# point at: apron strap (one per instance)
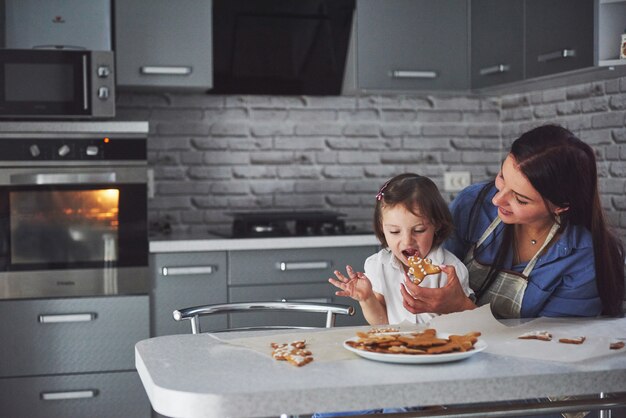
(488, 231)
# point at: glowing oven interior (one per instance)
(61, 226)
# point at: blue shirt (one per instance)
(562, 282)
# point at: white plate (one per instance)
(417, 358)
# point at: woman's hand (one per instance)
(447, 299)
(356, 286)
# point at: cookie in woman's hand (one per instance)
(421, 267)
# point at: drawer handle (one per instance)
(170, 271)
(496, 69)
(75, 394)
(556, 55)
(162, 70)
(303, 265)
(81, 317)
(412, 74)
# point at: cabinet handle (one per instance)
(57, 318)
(169, 271)
(75, 394)
(496, 69)
(413, 74)
(158, 70)
(556, 55)
(303, 265)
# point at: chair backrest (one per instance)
(194, 313)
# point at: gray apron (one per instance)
(506, 292)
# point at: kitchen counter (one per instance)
(207, 242)
(204, 376)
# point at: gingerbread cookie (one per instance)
(421, 267)
(616, 345)
(294, 353)
(415, 343)
(536, 335)
(573, 340)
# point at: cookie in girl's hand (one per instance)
(421, 267)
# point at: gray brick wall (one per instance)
(214, 154)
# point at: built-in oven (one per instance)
(73, 209)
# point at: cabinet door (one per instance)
(182, 280)
(73, 335)
(111, 395)
(293, 266)
(497, 42)
(163, 43)
(559, 36)
(412, 44)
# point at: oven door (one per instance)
(73, 234)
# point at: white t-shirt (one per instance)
(387, 275)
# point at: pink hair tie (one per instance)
(380, 193)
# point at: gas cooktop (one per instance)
(288, 223)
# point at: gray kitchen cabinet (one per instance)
(412, 45)
(187, 279)
(497, 42)
(72, 357)
(296, 275)
(111, 395)
(164, 44)
(559, 36)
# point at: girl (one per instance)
(411, 218)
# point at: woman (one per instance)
(535, 240)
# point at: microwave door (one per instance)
(44, 83)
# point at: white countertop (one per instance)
(187, 243)
(200, 376)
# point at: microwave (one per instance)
(56, 84)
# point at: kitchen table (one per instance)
(205, 376)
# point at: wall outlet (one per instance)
(454, 181)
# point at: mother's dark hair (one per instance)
(562, 168)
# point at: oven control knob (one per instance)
(104, 71)
(92, 150)
(34, 151)
(63, 150)
(103, 93)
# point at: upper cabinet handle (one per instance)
(557, 55)
(172, 271)
(303, 265)
(496, 69)
(412, 74)
(163, 70)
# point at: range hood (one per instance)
(281, 47)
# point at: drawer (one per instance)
(308, 292)
(182, 280)
(75, 335)
(293, 266)
(108, 395)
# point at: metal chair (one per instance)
(194, 313)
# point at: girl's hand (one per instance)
(447, 299)
(356, 286)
